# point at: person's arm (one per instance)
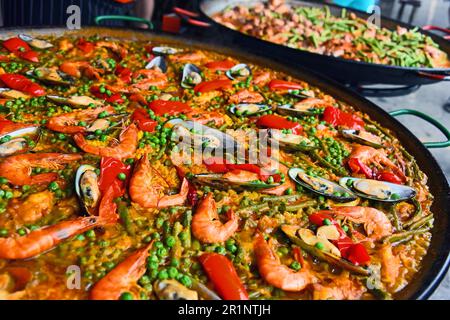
(144, 9)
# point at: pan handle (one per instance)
(434, 76)
(444, 30)
(189, 16)
(99, 19)
(429, 119)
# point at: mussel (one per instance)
(248, 109)
(75, 101)
(239, 72)
(86, 188)
(157, 62)
(292, 232)
(35, 43)
(378, 190)
(19, 141)
(321, 186)
(164, 50)
(296, 110)
(290, 141)
(363, 137)
(173, 290)
(51, 76)
(12, 94)
(194, 133)
(191, 76)
(224, 182)
(302, 93)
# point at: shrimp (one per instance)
(121, 278)
(340, 288)
(128, 141)
(149, 78)
(188, 57)
(78, 68)
(68, 122)
(390, 265)
(35, 206)
(7, 126)
(246, 96)
(262, 78)
(368, 155)
(17, 168)
(376, 224)
(206, 225)
(277, 274)
(114, 47)
(145, 192)
(44, 239)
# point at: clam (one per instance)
(248, 109)
(51, 76)
(296, 110)
(86, 187)
(164, 50)
(34, 42)
(294, 234)
(291, 141)
(363, 137)
(239, 72)
(191, 76)
(19, 141)
(321, 186)
(12, 94)
(75, 101)
(194, 133)
(157, 63)
(378, 190)
(224, 181)
(173, 290)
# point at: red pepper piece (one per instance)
(337, 117)
(222, 65)
(16, 45)
(161, 107)
(143, 121)
(357, 254)
(284, 85)
(223, 275)
(22, 83)
(123, 73)
(109, 171)
(389, 177)
(212, 85)
(85, 46)
(358, 167)
(277, 122)
(30, 56)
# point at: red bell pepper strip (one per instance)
(16, 45)
(275, 85)
(223, 275)
(390, 177)
(143, 121)
(277, 122)
(123, 73)
(110, 168)
(30, 56)
(113, 98)
(161, 107)
(192, 196)
(85, 46)
(222, 65)
(357, 254)
(107, 210)
(358, 167)
(22, 83)
(337, 117)
(212, 85)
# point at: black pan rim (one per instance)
(439, 267)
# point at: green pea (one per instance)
(144, 280)
(186, 281)
(3, 180)
(170, 241)
(126, 296)
(175, 262)
(320, 246)
(122, 176)
(221, 250)
(172, 272)
(162, 252)
(53, 186)
(22, 232)
(345, 228)
(327, 222)
(3, 232)
(9, 195)
(163, 274)
(296, 265)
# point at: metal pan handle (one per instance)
(99, 19)
(189, 16)
(430, 120)
(435, 76)
(444, 30)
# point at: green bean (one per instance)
(419, 223)
(394, 238)
(125, 217)
(337, 170)
(397, 223)
(288, 198)
(187, 219)
(259, 208)
(302, 205)
(417, 215)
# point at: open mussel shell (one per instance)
(191, 76)
(239, 72)
(248, 109)
(292, 233)
(19, 141)
(173, 290)
(86, 188)
(219, 181)
(290, 141)
(35, 43)
(51, 76)
(157, 62)
(165, 50)
(362, 137)
(296, 110)
(12, 94)
(378, 190)
(75, 101)
(301, 93)
(194, 133)
(321, 186)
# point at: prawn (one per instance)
(206, 225)
(146, 193)
(340, 288)
(119, 279)
(35, 206)
(147, 78)
(246, 96)
(128, 140)
(277, 274)
(188, 57)
(78, 68)
(17, 168)
(44, 239)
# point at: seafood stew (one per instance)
(338, 209)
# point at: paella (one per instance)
(142, 170)
(347, 36)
